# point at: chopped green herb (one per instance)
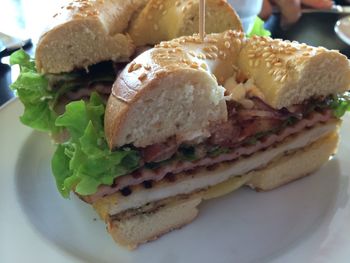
(187, 153)
(216, 151)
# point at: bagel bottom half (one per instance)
(144, 224)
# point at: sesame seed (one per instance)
(206, 49)
(204, 66)
(184, 60)
(136, 67)
(251, 55)
(155, 27)
(278, 64)
(251, 62)
(227, 34)
(209, 56)
(142, 76)
(278, 77)
(238, 41)
(214, 48)
(214, 55)
(131, 67)
(256, 63)
(283, 79)
(227, 44)
(268, 65)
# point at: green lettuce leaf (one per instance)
(85, 161)
(258, 29)
(40, 93)
(340, 104)
(33, 91)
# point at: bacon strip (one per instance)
(181, 166)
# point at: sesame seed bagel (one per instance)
(176, 88)
(289, 72)
(172, 90)
(86, 32)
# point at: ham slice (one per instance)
(181, 166)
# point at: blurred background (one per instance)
(27, 19)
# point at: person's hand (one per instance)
(291, 9)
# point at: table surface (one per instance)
(18, 17)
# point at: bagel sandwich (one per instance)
(88, 42)
(188, 121)
(185, 121)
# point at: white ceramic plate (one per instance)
(306, 221)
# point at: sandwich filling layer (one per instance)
(204, 177)
(246, 132)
